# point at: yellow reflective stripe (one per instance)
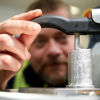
(19, 80)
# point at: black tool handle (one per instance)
(69, 26)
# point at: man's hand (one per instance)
(14, 51)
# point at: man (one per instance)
(49, 52)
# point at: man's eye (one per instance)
(39, 43)
(62, 39)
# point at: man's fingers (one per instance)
(10, 63)
(29, 29)
(28, 15)
(19, 26)
(12, 46)
(27, 39)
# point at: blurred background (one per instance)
(9, 8)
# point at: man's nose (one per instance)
(54, 49)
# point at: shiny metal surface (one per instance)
(80, 69)
(59, 94)
(25, 96)
(62, 91)
(96, 15)
(77, 41)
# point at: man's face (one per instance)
(49, 53)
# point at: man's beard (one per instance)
(46, 77)
(54, 81)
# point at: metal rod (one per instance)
(77, 41)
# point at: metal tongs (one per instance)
(71, 26)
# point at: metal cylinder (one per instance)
(80, 69)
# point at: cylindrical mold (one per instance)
(80, 69)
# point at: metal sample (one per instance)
(80, 67)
